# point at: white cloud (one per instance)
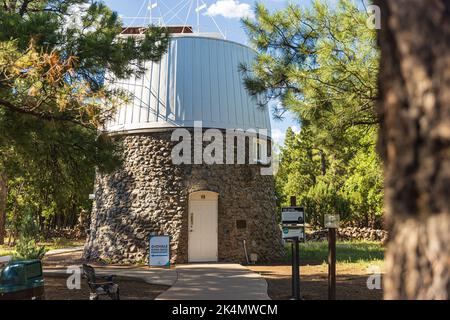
(232, 9)
(75, 15)
(278, 136)
(296, 129)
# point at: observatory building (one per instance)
(211, 211)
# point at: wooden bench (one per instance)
(100, 286)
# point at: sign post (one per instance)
(159, 255)
(332, 223)
(293, 219)
(296, 272)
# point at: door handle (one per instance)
(192, 222)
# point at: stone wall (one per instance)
(149, 194)
(350, 233)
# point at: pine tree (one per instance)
(55, 56)
(321, 65)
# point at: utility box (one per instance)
(21, 280)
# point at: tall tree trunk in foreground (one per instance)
(414, 142)
(3, 199)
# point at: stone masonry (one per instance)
(149, 195)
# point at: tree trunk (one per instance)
(323, 163)
(414, 142)
(366, 219)
(3, 199)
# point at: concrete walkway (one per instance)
(216, 282)
(64, 250)
(159, 276)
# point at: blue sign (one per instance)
(159, 251)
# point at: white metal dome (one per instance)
(196, 80)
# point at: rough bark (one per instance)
(3, 198)
(414, 142)
(323, 163)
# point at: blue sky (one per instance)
(226, 14)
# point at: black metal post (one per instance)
(331, 263)
(293, 201)
(295, 262)
(293, 270)
(296, 269)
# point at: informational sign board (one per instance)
(292, 215)
(159, 251)
(290, 233)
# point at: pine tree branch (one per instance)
(42, 115)
(24, 7)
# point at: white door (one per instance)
(203, 226)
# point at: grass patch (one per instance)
(53, 244)
(61, 243)
(6, 251)
(360, 252)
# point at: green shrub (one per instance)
(28, 227)
(323, 198)
(27, 249)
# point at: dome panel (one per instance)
(196, 80)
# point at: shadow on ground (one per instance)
(351, 282)
(315, 287)
(56, 289)
(216, 281)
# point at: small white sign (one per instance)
(292, 233)
(331, 221)
(292, 215)
(159, 251)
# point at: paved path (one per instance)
(216, 282)
(153, 276)
(63, 250)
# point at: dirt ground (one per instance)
(56, 289)
(63, 259)
(351, 282)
